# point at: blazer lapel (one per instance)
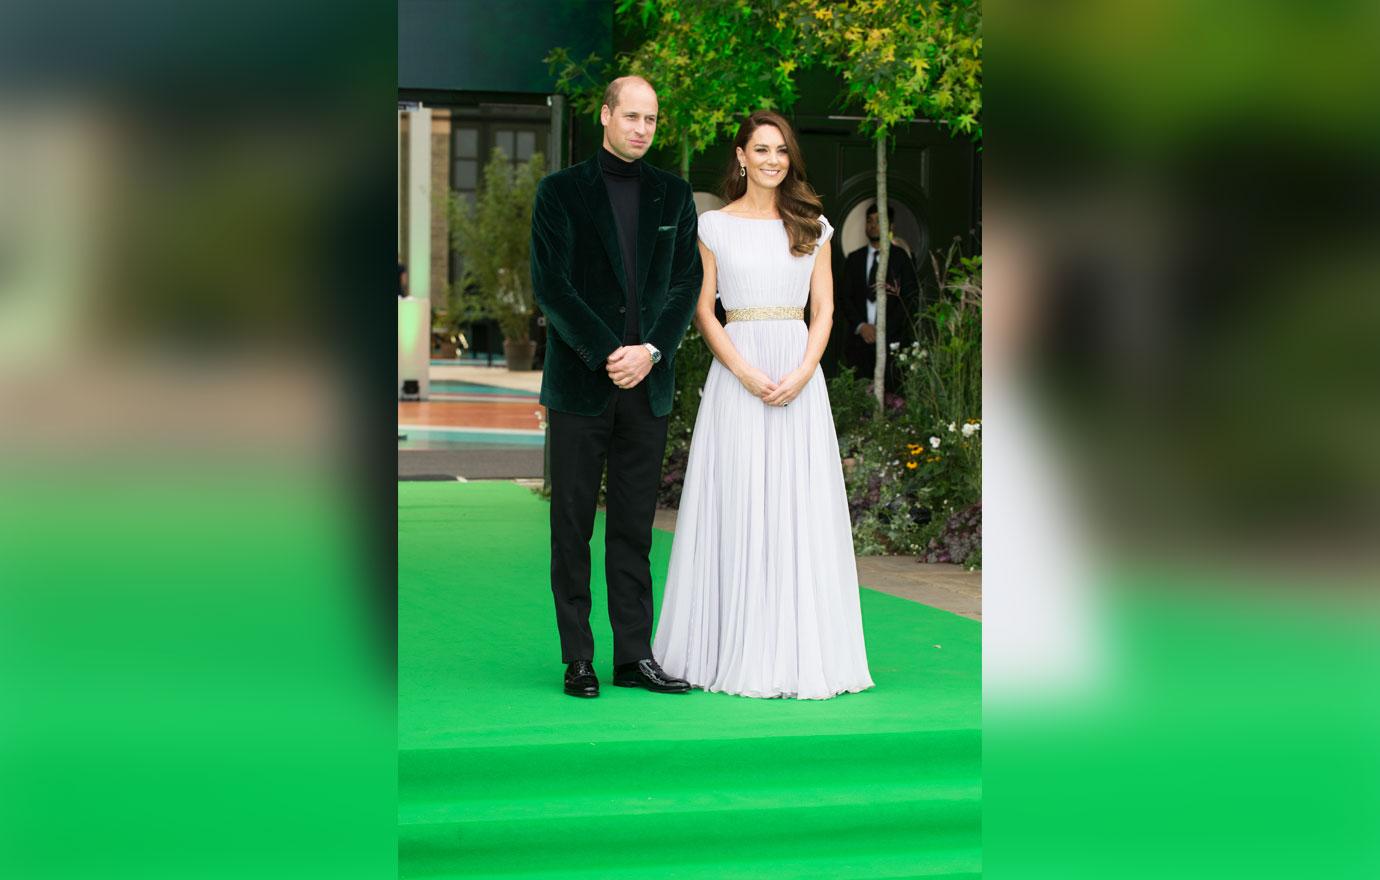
(597, 201)
(649, 208)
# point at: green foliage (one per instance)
(710, 62)
(692, 362)
(942, 369)
(851, 401)
(492, 239)
(900, 59)
(914, 475)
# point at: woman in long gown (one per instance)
(762, 592)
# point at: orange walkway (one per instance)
(526, 415)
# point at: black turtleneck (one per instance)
(623, 180)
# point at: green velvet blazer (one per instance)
(578, 279)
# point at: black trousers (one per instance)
(632, 441)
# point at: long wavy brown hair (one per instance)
(796, 200)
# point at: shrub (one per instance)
(692, 360)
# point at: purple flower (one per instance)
(960, 539)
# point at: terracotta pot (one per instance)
(519, 355)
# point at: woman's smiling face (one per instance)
(766, 157)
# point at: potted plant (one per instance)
(491, 237)
(447, 333)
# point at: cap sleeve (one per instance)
(826, 230)
(706, 229)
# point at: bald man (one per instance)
(616, 271)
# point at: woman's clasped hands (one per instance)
(774, 393)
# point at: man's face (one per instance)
(873, 227)
(629, 127)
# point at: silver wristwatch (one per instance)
(652, 350)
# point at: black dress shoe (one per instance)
(647, 674)
(580, 680)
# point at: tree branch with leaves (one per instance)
(711, 62)
(898, 60)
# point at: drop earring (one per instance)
(742, 171)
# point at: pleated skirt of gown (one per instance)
(762, 591)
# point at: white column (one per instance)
(414, 313)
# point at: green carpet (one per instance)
(502, 775)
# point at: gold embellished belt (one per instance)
(767, 313)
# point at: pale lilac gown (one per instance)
(762, 592)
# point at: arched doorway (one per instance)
(911, 240)
(907, 230)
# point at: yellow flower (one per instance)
(910, 465)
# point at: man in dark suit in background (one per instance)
(859, 305)
(616, 271)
